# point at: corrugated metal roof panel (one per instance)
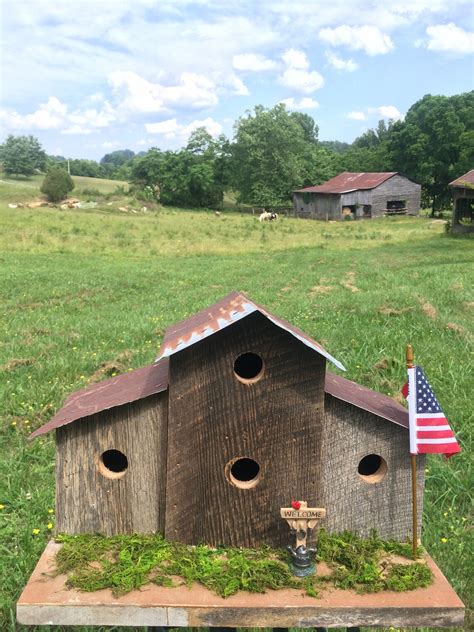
(366, 399)
(116, 391)
(153, 379)
(349, 181)
(228, 311)
(467, 178)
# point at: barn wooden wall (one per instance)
(89, 502)
(396, 188)
(352, 503)
(215, 418)
(329, 206)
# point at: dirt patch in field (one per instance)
(382, 365)
(457, 329)
(429, 310)
(468, 305)
(113, 367)
(348, 282)
(392, 311)
(16, 363)
(321, 289)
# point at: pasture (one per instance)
(86, 294)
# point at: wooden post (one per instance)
(411, 412)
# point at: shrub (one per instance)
(57, 184)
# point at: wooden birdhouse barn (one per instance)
(237, 417)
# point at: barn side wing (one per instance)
(92, 499)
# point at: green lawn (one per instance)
(79, 289)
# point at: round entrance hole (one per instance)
(243, 472)
(248, 367)
(113, 463)
(372, 468)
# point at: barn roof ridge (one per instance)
(348, 181)
(466, 179)
(153, 379)
(229, 310)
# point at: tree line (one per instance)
(274, 151)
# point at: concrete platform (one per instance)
(46, 601)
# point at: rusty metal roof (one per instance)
(467, 178)
(153, 379)
(116, 391)
(348, 181)
(228, 311)
(362, 397)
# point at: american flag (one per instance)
(429, 428)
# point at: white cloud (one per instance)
(387, 111)
(367, 38)
(357, 116)
(295, 59)
(252, 62)
(77, 130)
(55, 115)
(305, 103)
(237, 86)
(450, 38)
(172, 129)
(140, 95)
(349, 65)
(167, 128)
(109, 144)
(297, 75)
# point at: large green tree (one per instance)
(194, 176)
(272, 155)
(435, 143)
(22, 155)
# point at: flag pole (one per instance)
(410, 365)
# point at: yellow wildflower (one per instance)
(50, 511)
(444, 540)
(445, 514)
(13, 423)
(2, 506)
(50, 525)
(35, 531)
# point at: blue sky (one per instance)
(89, 77)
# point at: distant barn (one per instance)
(359, 196)
(463, 203)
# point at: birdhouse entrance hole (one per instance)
(248, 368)
(243, 472)
(113, 463)
(372, 468)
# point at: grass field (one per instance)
(87, 291)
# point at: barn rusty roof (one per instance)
(153, 379)
(228, 311)
(349, 181)
(116, 391)
(467, 178)
(362, 397)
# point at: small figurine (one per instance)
(301, 519)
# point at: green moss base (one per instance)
(126, 562)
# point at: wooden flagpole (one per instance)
(410, 364)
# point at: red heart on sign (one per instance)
(295, 504)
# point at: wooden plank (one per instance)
(359, 504)
(214, 418)
(91, 501)
(46, 601)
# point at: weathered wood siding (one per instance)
(396, 188)
(329, 205)
(317, 206)
(351, 502)
(89, 502)
(215, 418)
